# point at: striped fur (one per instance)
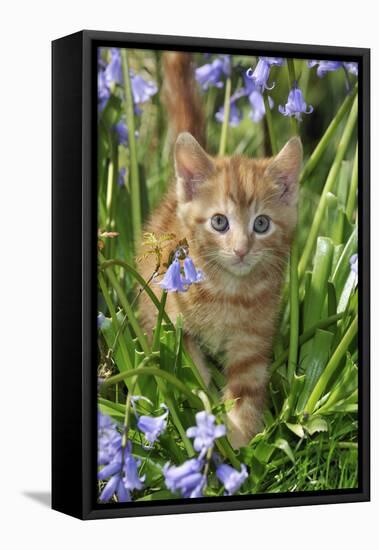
(234, 311)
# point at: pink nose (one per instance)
(240, 252)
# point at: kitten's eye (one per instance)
(220, 222)
(262, 224)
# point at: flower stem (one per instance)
(353, 188)
(291, 82)
(329, 133)
(157, 333)
(270, 126)
(294, 260)
(331, 367)
(109, 196)
(294, 310)
(330, 181)
(127, 414)
(225, 122)
(134, 175)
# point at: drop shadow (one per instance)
(42, 497)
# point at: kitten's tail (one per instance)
(181, 96)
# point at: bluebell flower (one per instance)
(100, 60)
(131, 479)
(260, 75)
(192, 275)
(235, 114)
(212, 74)
(255, 97)
(205, 432)
(118, 463)
(100, 320)
(121, 176)
(186, 478)
(109, 444)
(261, 72)
(122, 132)
(324, 67)
(258, 109)
(142, 90)
(226, 64)
(104, 421)
(110, 469)
(123, 494)
(114, 486)
(231, 479)
(352, 67)
(354, 264)
(113, 71)
(173, 280)
(103, 91)
(109, 439)
(296, 104)
(251, 91)
(123, 469)
(153, 427)
(278, 61)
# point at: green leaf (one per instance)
(297, 429)
(336, 219)
(332, 301)
(316, 424)
(257, 469)
(111, 410)
(349, 287)
(284, 446)
(343, 181)
(343, 267)
(163, 494)
(167, 350)
(319, 353)
(315, 297)
(347, 385)
(263, 451)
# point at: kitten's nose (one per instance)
(240, 252)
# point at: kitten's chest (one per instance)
(215, 315)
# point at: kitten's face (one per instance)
(240, 212)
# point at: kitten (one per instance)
(238, 216)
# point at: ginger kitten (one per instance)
(238, 216)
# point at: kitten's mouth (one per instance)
(240, 267)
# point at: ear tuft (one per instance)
(284, 170)
(192, 165)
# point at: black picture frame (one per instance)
(74, 116)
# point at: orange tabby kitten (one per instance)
(238, 215)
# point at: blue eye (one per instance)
(262, 224)
(220, 223)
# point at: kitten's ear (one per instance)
(192, 165)
(284, 170)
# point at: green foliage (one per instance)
(310, 438)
